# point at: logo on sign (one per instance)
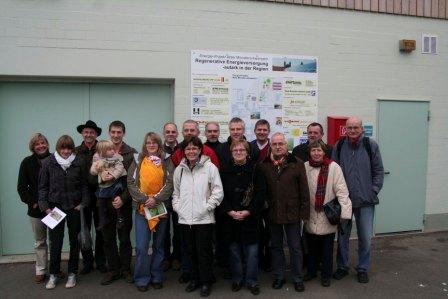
(342, 130)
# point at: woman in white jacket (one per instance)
(325, 181)
(197, 192)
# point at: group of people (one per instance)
(233, 201)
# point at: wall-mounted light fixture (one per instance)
(407, 45)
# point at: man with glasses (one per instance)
(360, 160)
(281, 181)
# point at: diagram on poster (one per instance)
(280, 89)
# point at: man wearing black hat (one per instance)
(90, 131)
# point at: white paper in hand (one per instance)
(53, 219)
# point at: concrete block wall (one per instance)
(359, 61)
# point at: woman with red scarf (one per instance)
(325, 181)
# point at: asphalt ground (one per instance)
(405, 266)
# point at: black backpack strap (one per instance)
(367, 146)
(365, 142)
(339, 147)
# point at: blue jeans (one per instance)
(148, 267)
(364, 225)
(236, 262)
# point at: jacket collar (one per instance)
(289, 159)
(125, 149)
(202, 160)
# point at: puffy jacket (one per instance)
(66, 189)
(197, 192)
(318, 223)
(364, 176)
(134, 182)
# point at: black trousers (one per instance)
(198, 239)
(118, 258)
(265, 238)
(174, 240)
(320, 249)
(222, 251)
(73, 220)
(91, 213)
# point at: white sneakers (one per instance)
(51, 283)
(71, 281)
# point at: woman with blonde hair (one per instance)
(150, 184)
(27, 184)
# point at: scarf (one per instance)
(278, 163)
(65, 163)
(151, 181)
(321, 182)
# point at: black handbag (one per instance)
(332, 210)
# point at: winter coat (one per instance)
(318, 223)
(87, 154)
(127, 153)
(164, 195)
(235, 181)
(27, 184)
(197, 192)
(364, 177)
(302, 151)
(64, 188)
(114, 166)
(285, 190)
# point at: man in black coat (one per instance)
(90, 131)
(212, 134)
(315, 131)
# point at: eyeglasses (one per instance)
(353, 128)
(239, 150)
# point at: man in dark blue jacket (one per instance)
(360, 160)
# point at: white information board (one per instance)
(282, 89)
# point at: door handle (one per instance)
(387, 172)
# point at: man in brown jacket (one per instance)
(281, 180)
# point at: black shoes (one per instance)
(278, 284)
(325, 282)
(157, 285)
(254, 289)
(192, 286)
(236, 286)
(299, 286)
(339, 274)
(205, 290)
(363, 277)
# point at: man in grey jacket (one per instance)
(360, 160)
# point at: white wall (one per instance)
(359, 60)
